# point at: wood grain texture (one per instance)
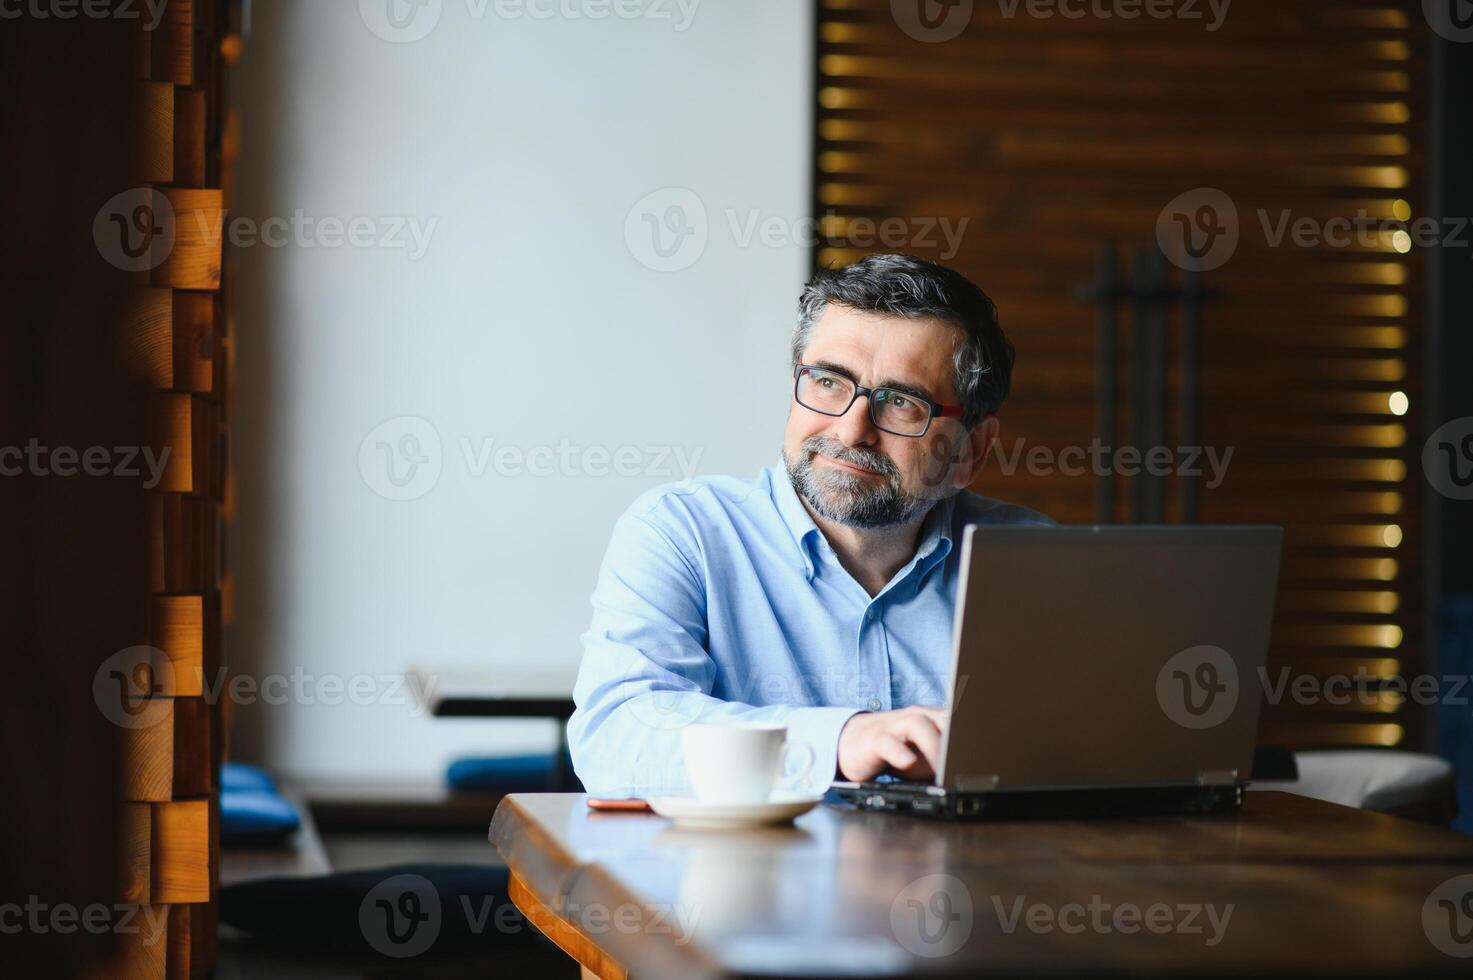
(177, 964)
(204, 926)
(141, 948)
(148, 336)
(194, 261)
(194, 341)
(135, 873)
(183, 543)
(174, 426)
(143, 57)
(186, 426)
(178, 629)
(148, 757)
(156, 133)
(193, 749)
(1313, 888)
(181, 852)
(594, 961)
(169, 339)
(173, 53)
(189, 138)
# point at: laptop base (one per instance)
(924, 800)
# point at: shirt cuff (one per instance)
(819, 729)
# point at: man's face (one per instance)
(846, 469)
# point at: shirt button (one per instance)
(870, 615)
(874, 704)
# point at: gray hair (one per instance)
(904, 286)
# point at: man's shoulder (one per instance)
(974, 508)
(699, 500)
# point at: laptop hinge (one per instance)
(1217, 777)
(976, 784)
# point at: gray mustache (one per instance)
(837, 450)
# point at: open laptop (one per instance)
(1099, 671)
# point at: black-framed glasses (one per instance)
(900, 413)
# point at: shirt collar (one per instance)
(935, 537)
(799, 522)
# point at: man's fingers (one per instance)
(924, 734)
(894, 751)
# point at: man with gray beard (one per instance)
(820, 595)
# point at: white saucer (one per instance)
(780, 807)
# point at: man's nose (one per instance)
(855, 427)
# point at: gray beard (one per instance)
(848, 499)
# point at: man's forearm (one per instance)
(633, 747)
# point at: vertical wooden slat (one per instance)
(194, 341)
(189, 138)
(148, 342)
(181, 936)
(194, 260)
(156, 133)
(183, 358)
(174, 44)
(135, 873)
(181, 852)
(148, 756)
(179, 628)
(193, 746)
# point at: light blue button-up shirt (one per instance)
(720, 600)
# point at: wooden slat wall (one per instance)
(175, 339)
(1053, 135)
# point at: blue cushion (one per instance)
(503, 774)
(238, 775)
(251, 816)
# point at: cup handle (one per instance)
(799, 775)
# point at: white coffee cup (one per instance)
(741, 763)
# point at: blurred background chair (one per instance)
(1404, 784)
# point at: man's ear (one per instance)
(979, 444)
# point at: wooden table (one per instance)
(1288, 886)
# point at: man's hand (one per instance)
(906, 743)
